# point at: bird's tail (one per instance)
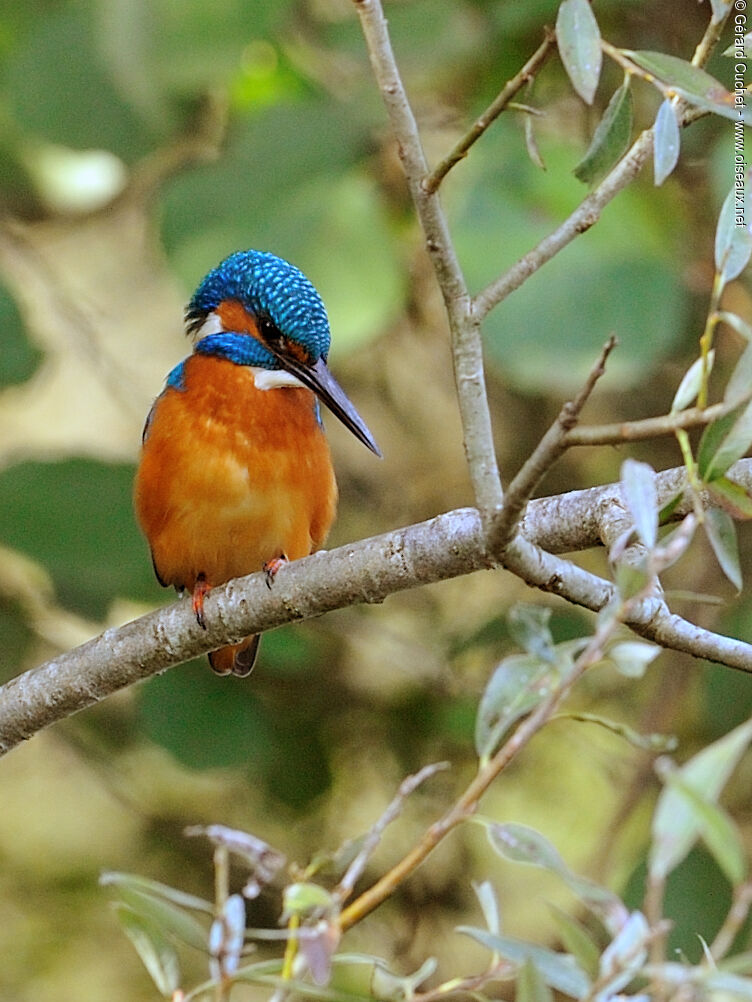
(238, 659)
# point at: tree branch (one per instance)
(589, 211)
(467, 350)
(492, 112)
(368, 571)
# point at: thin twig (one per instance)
(646, 428)
(354, 871)
(467, 804)
(589, 210)
(553, 444)
(733, 922)
(503, 100)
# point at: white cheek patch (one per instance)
(272, 379)
(212, 325)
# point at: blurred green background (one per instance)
(140, 142)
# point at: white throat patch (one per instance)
(272, 379)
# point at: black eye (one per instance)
(269, 332)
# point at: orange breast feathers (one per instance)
(231, 476)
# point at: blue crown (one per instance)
(267, 286)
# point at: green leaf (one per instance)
(735, 321)
(722, 985)
(720, 9)
(579, 41)
(558, 970)
(666, 141)
(111, 878)
(531, 987)
(718, 831)
(489, 905)
(670, 507)
(632, 657)
(528, 627)
(733, 52)
(518, 684)
(724, 441)
(675, 826)
(732, 497)
(691, 382)
(303, 897)
(155, 950)
(721, 533)
(640, 495)
(611, 137)
(577, 941)
(739, 385)
(733, 242)
(167, 916)
(523, 844)
(625, 954)
(690, 82)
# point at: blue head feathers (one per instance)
(270, 289)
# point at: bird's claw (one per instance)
(272, 568)
(200, 590)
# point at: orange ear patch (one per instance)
(235, 317)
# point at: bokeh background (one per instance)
(140, 142)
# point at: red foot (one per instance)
(200, 590)
(272, 568)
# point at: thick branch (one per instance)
(444, 547)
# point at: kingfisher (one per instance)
(235, 473)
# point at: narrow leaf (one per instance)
(489, 905)
(666, 142)
(518, 684)
(724, 441)
(719, 9)
(558, 970)
(522, 844)
(579, 41)
(577, 941)
(732, 497)
(739, 385)
(691, 382)
(611, 137)
(625, 955)
(528, 626)
(721, 533)
(670, 507)
(690, 82)
(641, 498)
(718, 831)
(735, 321)
(155, 950)
(736, 52)
(675, 827)
(733, 241)
(722, 985)
(112, 878)
(530, 985)
(170, 918)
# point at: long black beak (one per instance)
(318, 378)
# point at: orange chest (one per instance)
(231, 474)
